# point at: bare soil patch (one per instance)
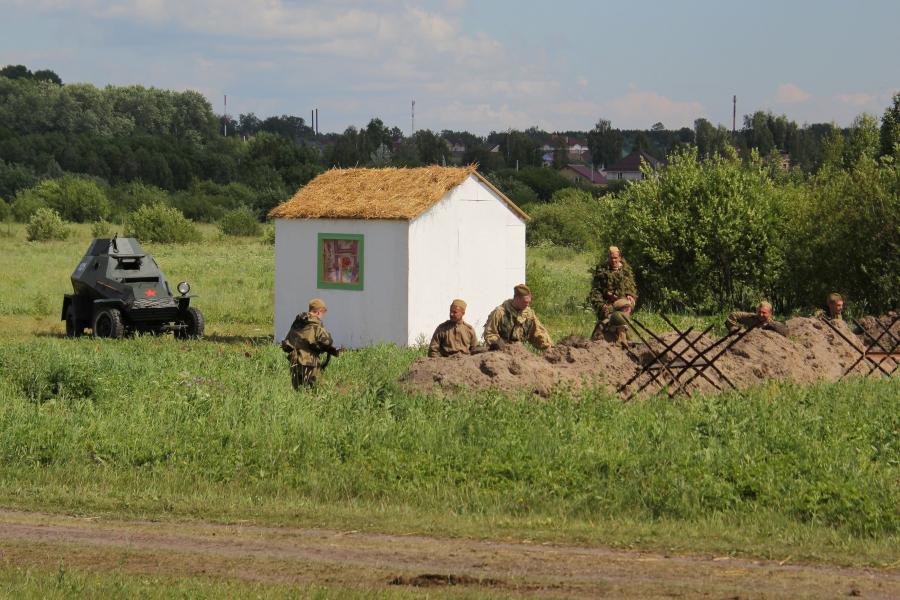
(382, 562)
(813, 352)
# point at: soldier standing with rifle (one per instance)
(306, 340)
(612, 280)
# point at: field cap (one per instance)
(316, 304)
(521, 290)
(460, 303)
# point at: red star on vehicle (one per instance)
(150, 293)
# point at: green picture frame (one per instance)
(340, 261)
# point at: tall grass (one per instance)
(211, 428)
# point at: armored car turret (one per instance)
(119, 288)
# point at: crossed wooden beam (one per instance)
(877, 353)
(668, 373)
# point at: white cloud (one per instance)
(789, 93)
(855, 99)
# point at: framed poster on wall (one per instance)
(340, 261)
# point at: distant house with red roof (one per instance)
(629, 168)
(583, 174)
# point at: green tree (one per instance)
(890, 128)
(605, 143)
(862, 141)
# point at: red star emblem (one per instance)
(150, 293)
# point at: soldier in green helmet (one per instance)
(305, 342)
(612, 280)
(515, 321)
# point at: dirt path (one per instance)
(375, 561)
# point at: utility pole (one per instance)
(226, 115)
(412, 117)
(733, 114)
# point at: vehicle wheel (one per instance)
(108, 324)
(73, 327)
(193, 322)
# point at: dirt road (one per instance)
(384, 562)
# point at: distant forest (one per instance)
(175, 142)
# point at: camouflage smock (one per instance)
(306, 340)
(607, 286)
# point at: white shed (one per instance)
(388, 249)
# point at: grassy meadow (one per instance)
(210, 429)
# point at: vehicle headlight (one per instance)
(184, 287)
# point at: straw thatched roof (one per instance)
(398, 194)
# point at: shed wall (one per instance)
(377, 313)
(469, 245)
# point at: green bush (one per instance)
(25, 205)
(101, 229)
(842, 235)
(75, 198)
(574, 218)
(240, 222)
(514, 189)
(127, 198)
(163, 224)
(703, 235)
(46, 224)
(207, 202)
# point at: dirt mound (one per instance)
(813, 352)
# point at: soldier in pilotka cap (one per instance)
(454, 336)
(611, 280)
(514, 321)
(305, 342)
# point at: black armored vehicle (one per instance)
(119, 288)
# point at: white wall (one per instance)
(469, 245)
(376, 313)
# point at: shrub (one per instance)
(25, 205)
(208, 202)
(703, 235)
(101, 229)
(163, 224)
(129, 197)
(574, 218)
(46, 224)
(514, 189)
(75, 198)
(240, 222)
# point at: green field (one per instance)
(210, 429)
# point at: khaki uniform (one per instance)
(737, 319)
(510, 325)
(607, 286)
(306, 340)
(452, 337)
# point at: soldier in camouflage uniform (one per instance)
(833, 309)
(614, 329)
(514, 321)
(612, 280)
(306, 340)
(454, 336)
(761, 319)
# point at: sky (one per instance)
(480, 66)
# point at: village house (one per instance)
(388, 249)
(583, 174)
(629, 168)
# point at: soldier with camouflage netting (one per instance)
(761, 319)
(612, 280)
(305, 342)
(514, 321)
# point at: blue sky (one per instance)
(478, 65)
